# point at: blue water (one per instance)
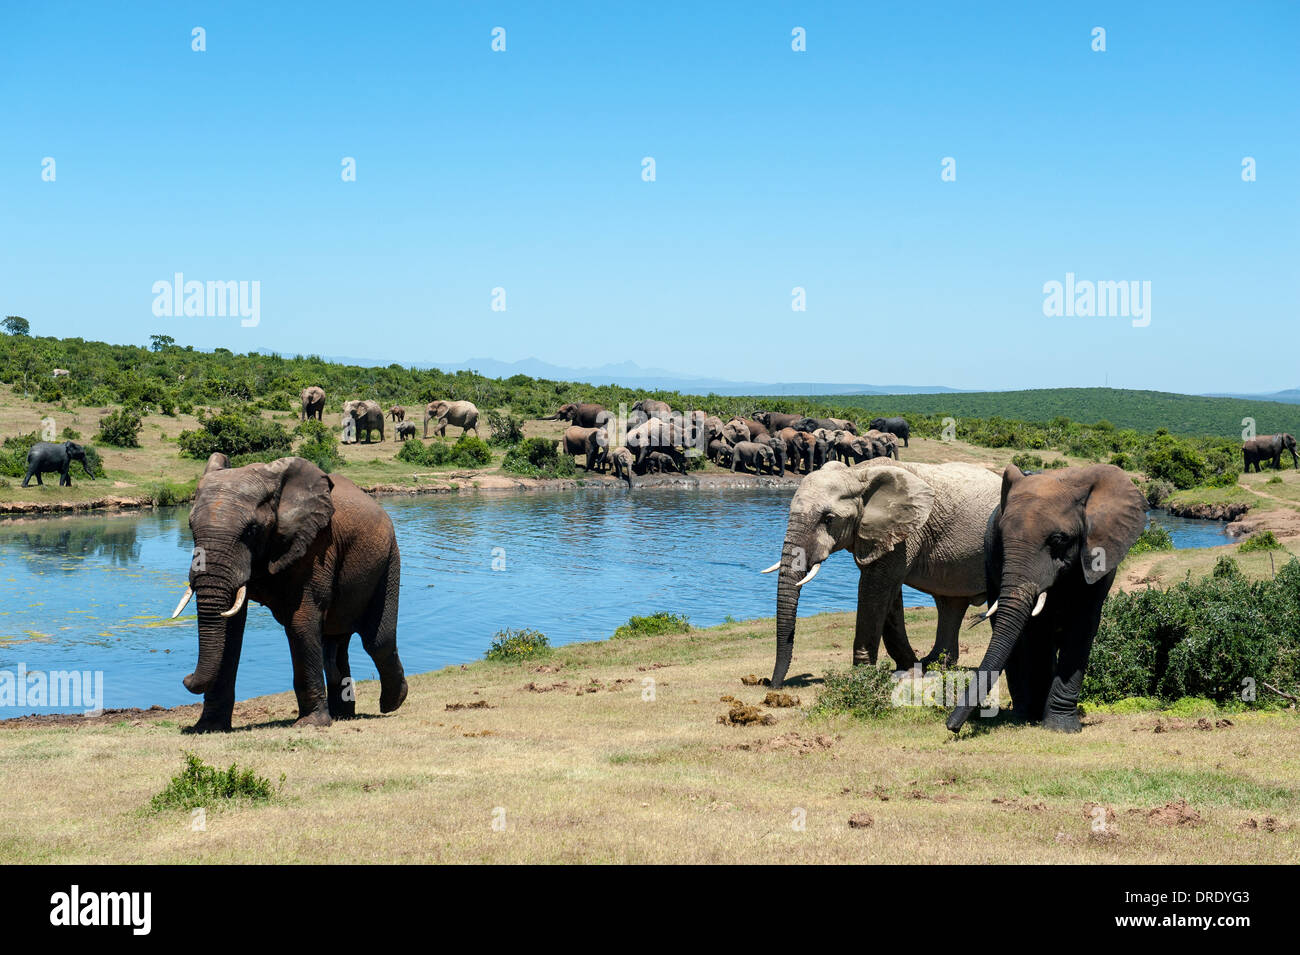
(94, 593)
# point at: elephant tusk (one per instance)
(984, 616)
(189, 592)
(776, 566)
(1042, 602)
(239, 602)
(811, 574)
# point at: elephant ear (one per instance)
(1114, 515)
(895, 502)
(217, 462)
(303, 509)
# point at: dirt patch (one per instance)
(541, 688)
(476, 705)
(549, 668)
(755, 680)
(742, 715)
(654, 666)
(131, 715)
(1013, 803)
(780, 699)
(1267, 824)
(860, 820)
(595, 686)
(1176, 813)
(789, 742)
(1173, 724)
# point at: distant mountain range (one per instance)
(1291, 396)
(631, 375)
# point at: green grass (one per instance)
(518, 645)
(200, 785)
(657, 624)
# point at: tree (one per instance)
(159, 342)
(16, 325)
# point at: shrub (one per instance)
(1213, 638)
(234, 432)
(505, 429)
(1265, 540)
(120, 428)
(863, 692)
(167, 494)
(538, 457)
(518, 645)
(654, 625)
(467, 452)
(1176, 461)
(1027, 462)
(1157, 492)
(320, 445)
(70, 435)
(200, 785)
(1153, 538)
(13, 453)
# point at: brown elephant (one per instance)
(622, 461)
(1051, 547)
(321, 555)
(582, 415)
(313, 402)
(367, 416)
(590, 442)
(405, 430)
(653, 408)
(461, 414)
(775, 421)
(1268, 447)
(397, 413)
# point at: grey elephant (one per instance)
(736, 431)
(895, 426)
(775, 421)
(886, 443)
(719, 452)
(313, 402)
(321, 555)
(582, 415)
(654, 408)
(1052, 547)
(780, 452)
(590, 442)
(460, 414)
(621, 460)
(656, 434)
(750, 454)
(658, 462)
(1269, 447)
(44, 457)
(405, 430)
(916, 524)
(367, 416)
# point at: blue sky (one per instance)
(775, 169)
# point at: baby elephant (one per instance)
(657, 462)
(622, 459)
(45, 457)
(749, 454)
(405, 430)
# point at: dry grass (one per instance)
(607, 776)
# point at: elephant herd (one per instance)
(366, 417)
(653, 438)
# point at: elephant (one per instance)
(736, 431)
(590, 442)
(751, 454)
(1269, 447)
(622, 461)
(657, 435)
(405, 430)
(887, 442)
(397, 413)
(581, 415)
(849, 448)
(916, 524)
(658, 462)
(654, 408)
(44, 457)
(367, 415)
(713, 426)
(313, 402)
(719, 452)
(775, 421)
(779, 450)
(321, 555)
(461, 414)
(895, 426)
(827, 424)
(796, 459)
(1052, 547)
(814, 451)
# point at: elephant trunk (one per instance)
(212, 601)
(1014, 607)
(787, 608)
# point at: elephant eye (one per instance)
(1058, 542)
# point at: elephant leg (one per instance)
(306, 649)
(897, 645)
(880, 612)
(951, 612)
(379, 636)
(219, 698)
(341, 694)
(1062, 710)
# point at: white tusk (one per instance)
(984, 616)
(992, 609)
(811, 574)
(1042, 602)
(776, 566)
(239, 602)
(189, 592)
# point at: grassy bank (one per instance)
(581, 766)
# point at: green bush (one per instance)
(199, 785)
(510, 645)
(169, 494)
(467, 452)
(1156, 492)
(654, 625)
(1027, 462)
(233, 433)
(863, 692)
(1153, 538)
(1176, 461)
(1265, 540)
(1211, 638)
(538, 457)
(70, 435)
(319, 445)
(13, 453)
(120, 428)
(505, 429)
